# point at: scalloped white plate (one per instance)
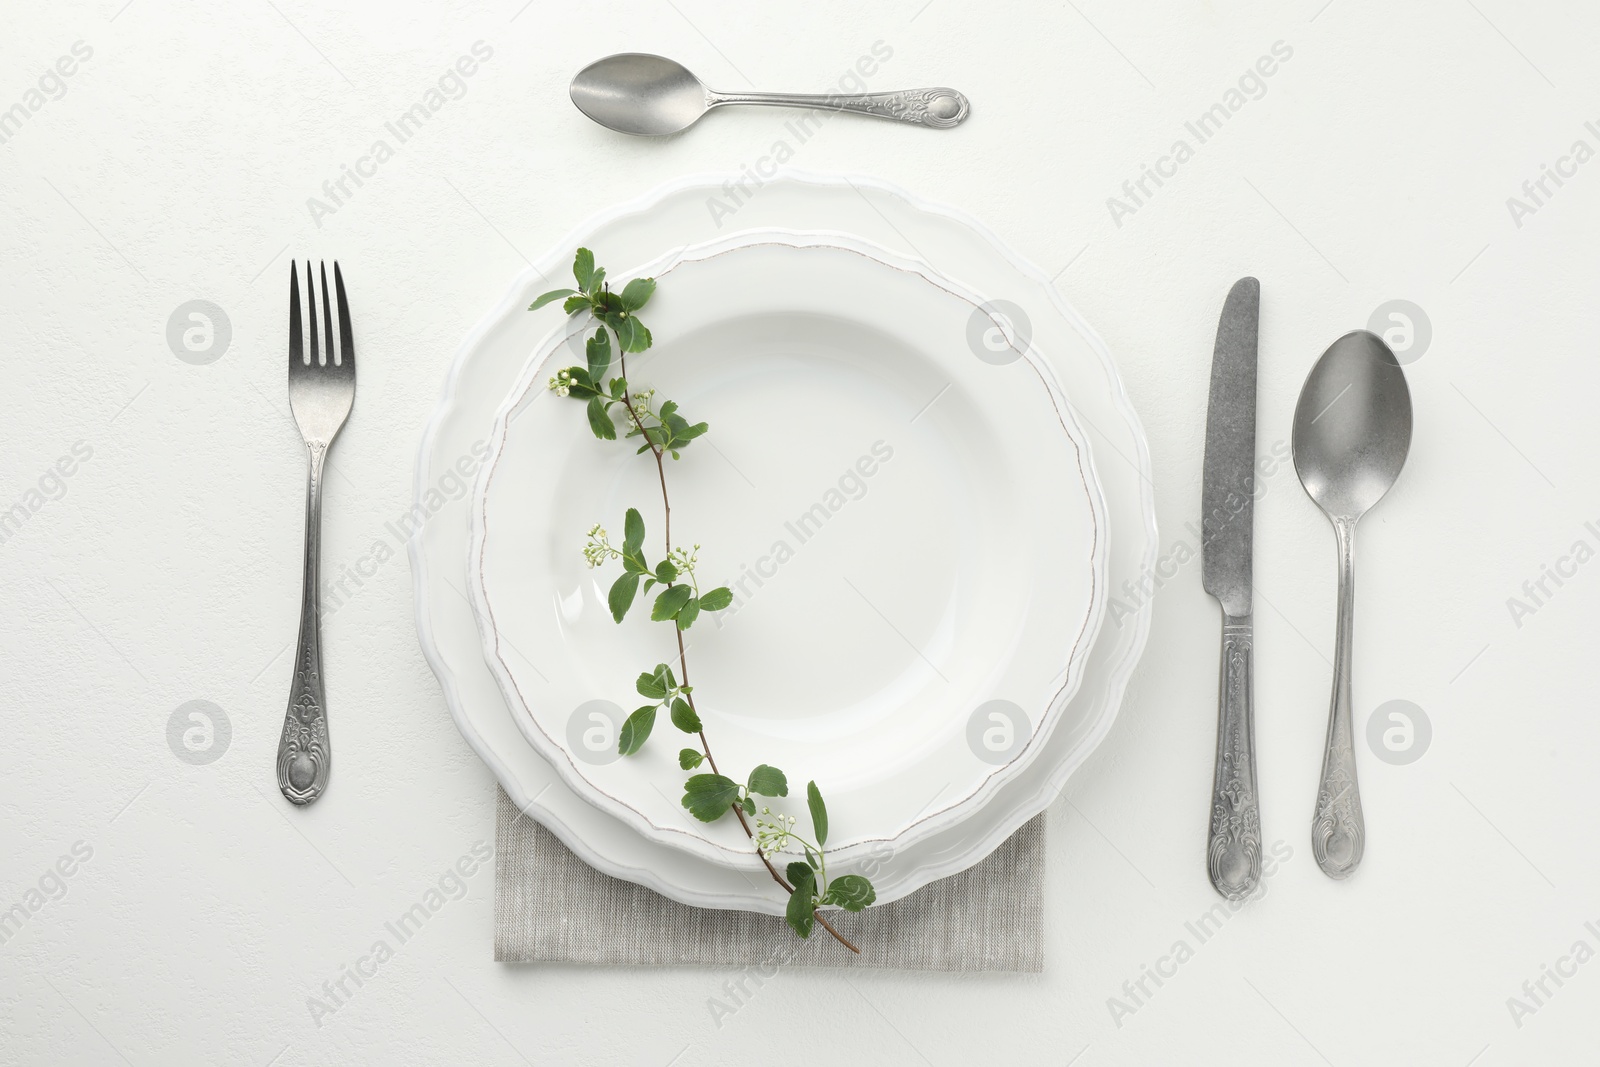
(920, 622)
(687, 212)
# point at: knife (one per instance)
(1227, 501)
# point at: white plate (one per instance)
(921, 620)
(687, 212)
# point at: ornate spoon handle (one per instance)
(1233, 853)
(1338, 831)
(937, 107)
(303, 754)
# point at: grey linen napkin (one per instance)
(550, 906)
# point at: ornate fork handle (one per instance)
(1233, 854)
(303, 753)
(938, 107)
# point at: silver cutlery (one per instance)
(1352, 430)
(322, 387)
(1227, 501)
(653, 96)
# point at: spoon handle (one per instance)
(937, 107)
(1233, 852)
(1338, 831)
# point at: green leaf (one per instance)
(717, 599)
(689, 759)
(621, 596)
(749, 806)
(709, 797)
(850, 892)
(583, 268)
(637, 293)
(631, 333)
(819, 812)
(800, 913)
(635, 729)
(683, 716)
(600, 420)
(632, 532)
(812, 858)
(802, 877)
(666, 572)
(545, 298)
(575, 303)
(597, 351)
(622, 326)
(650, 685)
(768, 781)
(670, 601)
(688, 613)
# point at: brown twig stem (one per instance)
(683, 655)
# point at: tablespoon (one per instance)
(1352, 429)
(653, 96)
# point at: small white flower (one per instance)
(598, 549)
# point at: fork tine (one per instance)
(296, 352)
(327, 316)
(311, 311)
(347, 344)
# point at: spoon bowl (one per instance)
(641, 94)
(1352, 426)
(1352, 430)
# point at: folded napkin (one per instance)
(550, 906)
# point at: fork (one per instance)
(321, 391)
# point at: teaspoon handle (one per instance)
(937, 107)
(1338, 831)
(1233, 851)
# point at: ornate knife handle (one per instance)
(1338, 830)
(937, 107)
(1233, 853)
(303, 754)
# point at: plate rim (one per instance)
(1120, 672)
(921, 825)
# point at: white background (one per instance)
(1376, 166)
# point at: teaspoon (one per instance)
(1352, 430)
(653, 96)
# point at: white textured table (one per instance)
(152, 556)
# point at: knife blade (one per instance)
(1227, 502)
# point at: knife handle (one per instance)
(1233, 853)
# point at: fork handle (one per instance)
(303, 753)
